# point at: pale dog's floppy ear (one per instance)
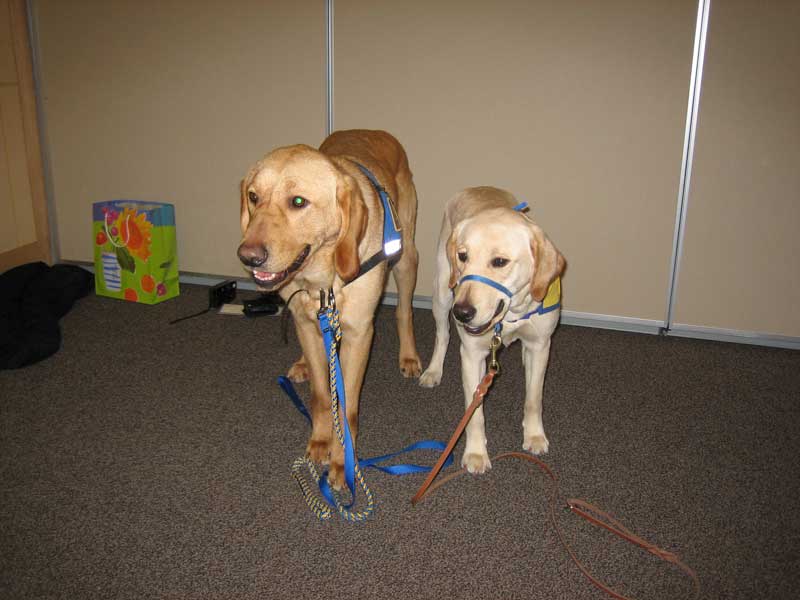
(353, 226)
(451, 255)
(547, 261)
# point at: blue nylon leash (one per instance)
(373, 462)
(328, 318)
(325, 318)
(288, 388)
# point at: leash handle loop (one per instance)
(581, 508)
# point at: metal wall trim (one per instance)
(328, 67)
(693, 105)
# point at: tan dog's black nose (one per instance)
(252, 256)
(464, 312)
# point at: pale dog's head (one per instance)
(505, 247)
(296, 204)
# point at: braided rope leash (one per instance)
(323, 507)
(581, 508)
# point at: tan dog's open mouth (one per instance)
(483, 328)
(270, 280)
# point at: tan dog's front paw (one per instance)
(319, 451)
(536, 444)
(430, 378)
(298, 372)
(410, 367)
(336, 476)
(476, 463)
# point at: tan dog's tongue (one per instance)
(262, 276)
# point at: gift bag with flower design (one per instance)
(135, 250)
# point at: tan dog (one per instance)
(310, 218)
(482, 236)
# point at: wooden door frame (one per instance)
(40, 249)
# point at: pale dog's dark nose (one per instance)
(252, 256)
(464, 312)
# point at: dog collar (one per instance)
(392, 246)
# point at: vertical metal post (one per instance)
(695, 82)
(52, 223)
(329, 66)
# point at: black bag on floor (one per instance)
(33, 298)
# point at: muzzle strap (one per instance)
(498, 286)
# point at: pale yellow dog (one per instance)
(494, 265)
(310, 220)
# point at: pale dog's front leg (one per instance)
(442, 302)
(535, 356)
(473, 368)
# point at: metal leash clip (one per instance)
(325, 304)
(494, 365)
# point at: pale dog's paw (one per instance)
(535, 444)
(430, 378)
(476, 463)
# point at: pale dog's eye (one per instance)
(462, 256)
(253, 197)
(299, 202)
(499, 262)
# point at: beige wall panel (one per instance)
(173, 101)
(8, 68)
(8, 228)
(739, 269)
(15, 196)
(576, 107)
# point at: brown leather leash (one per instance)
(581, 508)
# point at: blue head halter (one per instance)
(539, 310)
(498, 286)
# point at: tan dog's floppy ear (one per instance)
(245, 212)
(548, 262)
(353, 227)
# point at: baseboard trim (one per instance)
(600, 321)
(735, 335)
(568, 317)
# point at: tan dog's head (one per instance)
(507, 248)
(297, 209)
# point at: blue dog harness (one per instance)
(392, 246)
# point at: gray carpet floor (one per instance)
(147, 460)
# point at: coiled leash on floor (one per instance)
(328, 317)
(581, 508)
